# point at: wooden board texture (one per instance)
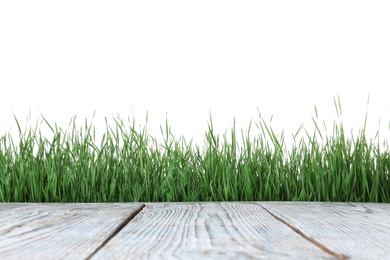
(59, 230)
(225, 230)
(355, 230)
(208, 231)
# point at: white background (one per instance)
(181, 60)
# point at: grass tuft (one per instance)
(131, 166)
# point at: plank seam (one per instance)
(116, 231)
(307, 237)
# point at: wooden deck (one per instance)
(226, 230)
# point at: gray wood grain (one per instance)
(356, 230)
(207, 230)
(58, 230)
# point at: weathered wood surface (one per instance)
(226, 230)
(208, 230)
(355, 230)
(55, 231)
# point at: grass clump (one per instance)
(131, 166)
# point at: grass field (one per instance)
(130, 166)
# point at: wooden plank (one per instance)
(356, 230)
(211, 230)
(59, 230)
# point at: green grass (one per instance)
(131, 166)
